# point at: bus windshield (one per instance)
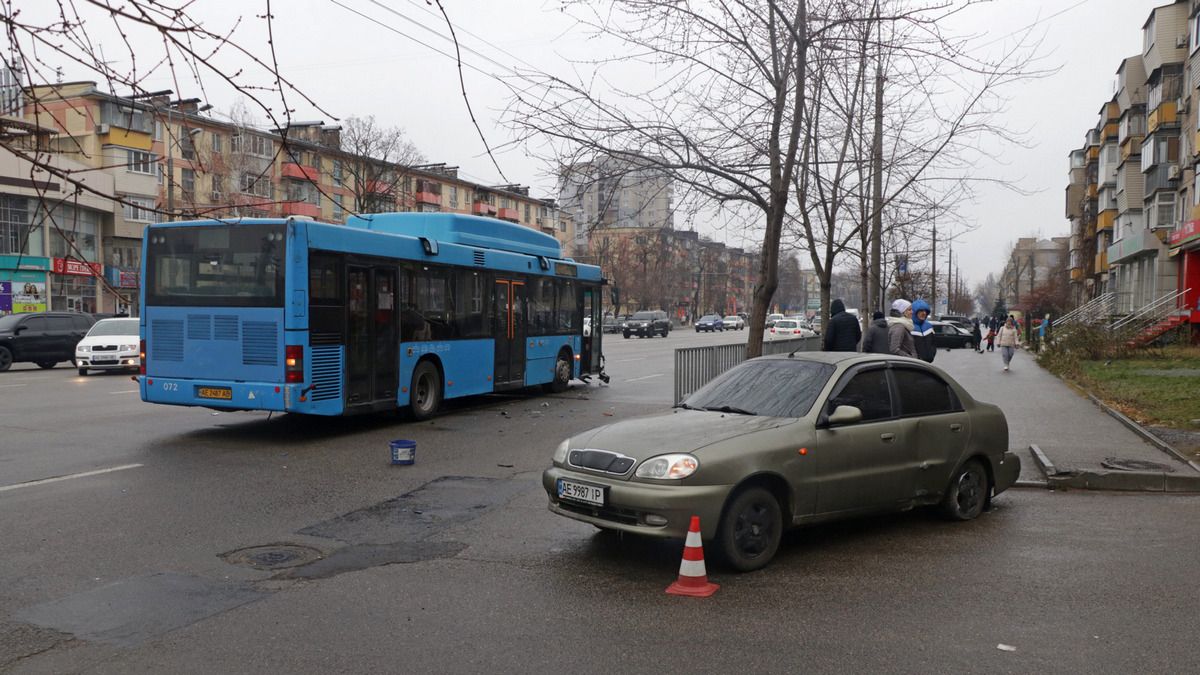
(224, 266)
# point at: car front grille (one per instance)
(601, 460)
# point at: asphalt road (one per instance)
(455, 565)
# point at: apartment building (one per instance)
(1133, 193)
(175, 159)
(607, 193)
(1033, 264)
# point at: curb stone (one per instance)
(1137, 481)
(1145, 434)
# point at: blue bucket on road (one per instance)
(403, 452)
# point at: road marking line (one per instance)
(56, 479)
(647, 377)
(125, 391)
(2, 386)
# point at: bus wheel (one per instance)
(562, 374)
(425, 394)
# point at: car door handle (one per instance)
(956, 427)
(887, 438)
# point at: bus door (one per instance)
(510, 333)
(589, 355)
(372, 345)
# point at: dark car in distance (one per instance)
(647, 323)
(44, 338)
(710, 322)
(950, 336)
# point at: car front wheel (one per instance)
(751, 529)
(83, 372)
(6, 359)
(967, 494)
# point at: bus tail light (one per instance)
(294, 364)
(142, 357)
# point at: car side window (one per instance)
(923, 393)
(81, 323)
(59, 323)
(34, 324)
(869, 392)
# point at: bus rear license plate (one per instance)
(581, 492)
(223, 393)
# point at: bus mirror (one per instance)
(430, 246)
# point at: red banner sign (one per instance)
(1188, 230)
(75, 267)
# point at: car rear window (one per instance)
(785, 324)
(769, 387)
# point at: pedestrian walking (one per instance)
(976, 337)
(922, 332)
(1043, 332)
(991, 340)
(900, 341)
(876, 339)
(843, 332)
(1009, 338)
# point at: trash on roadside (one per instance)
(608, 414)
(1006, 648)
(506, 466)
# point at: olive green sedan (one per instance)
(784, 441)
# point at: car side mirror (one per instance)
(845, 414)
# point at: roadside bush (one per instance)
(1079, 343)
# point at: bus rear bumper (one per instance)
(221, 394)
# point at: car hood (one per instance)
(92, 341)
(676, 431)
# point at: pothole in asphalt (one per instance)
(273, 556)
(1118, 464)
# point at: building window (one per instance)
(218, 187)
(216, 143)
(140, 162)
(138, 209)
(337, 172)
(338, 211)
(187, 142)
(1148, 34)
(453, 196)
(252, 144)
(188, 182)
(1194, 34)
(527, 217)
(14, 224)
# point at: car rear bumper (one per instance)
(627, 505)
(1005, 472)
(269, 396)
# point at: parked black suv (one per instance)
(44, 338)
(647, 323)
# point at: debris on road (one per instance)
(1006, 648)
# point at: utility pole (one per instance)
(950, 278)
(933, 272)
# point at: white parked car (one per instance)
(789, 328)
(733, 322)
(110, 344)
(772, 318)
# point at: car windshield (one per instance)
(785, 324)
(710, 317)
(114, 327)
(643, 316)
(769, 387)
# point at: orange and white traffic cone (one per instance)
(693, 580)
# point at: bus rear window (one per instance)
(221, 266)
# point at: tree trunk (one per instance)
(768, 279)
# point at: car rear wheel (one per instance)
(425, 394)
(46, 365)
(6, 359)
(751, 529)
(967, 494)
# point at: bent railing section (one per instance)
(697, 366)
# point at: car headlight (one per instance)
(83, 349)
(129, 348)
(667, 467)
(560, 453)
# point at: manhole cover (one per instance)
(1134, 465)
(272, 556)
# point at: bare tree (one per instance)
(375, 152)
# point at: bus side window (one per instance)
(568, 308)
(469, 305)
(541, 306)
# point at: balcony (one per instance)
(379, 187)
(1132, 147)
(301, 209)
(1132, 245)
(483, 209)
(1164, 114)
(1093, 153)
(1076, 274)
(510, 215)
(299, 172)
(1111, 131)
(112, 135)
(1101, 262)
(1105, 220)
(428, 198)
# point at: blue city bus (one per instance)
(394, 310)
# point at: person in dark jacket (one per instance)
(977, 337)
(876, 339)
(843, 332)
(922, 332)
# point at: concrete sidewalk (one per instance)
(1080, 445)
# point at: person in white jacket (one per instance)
(1008, 339)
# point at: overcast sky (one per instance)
(352, 65)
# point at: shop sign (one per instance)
(76, 267)
(22, 296)
(121, 277)
(1186, 232)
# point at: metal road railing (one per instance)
(696, 366)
